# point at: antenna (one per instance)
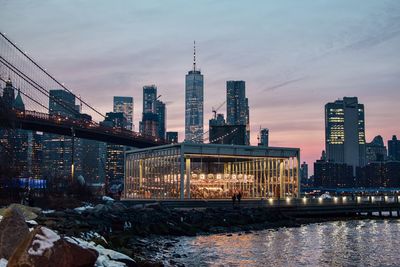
(194, 55)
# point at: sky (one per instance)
(295, 56)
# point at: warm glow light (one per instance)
(335, 199)
(288, 199)
(271, 200)
(304, 199)
(320, 199)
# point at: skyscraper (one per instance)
(58, 155)
(345, 132)
(264, 137)
(114, 153)
(161, 115)
(149, 98)
(124, 104)
(394, 148)
(304, 171)
(62, 103)
(154, 113)
(237, 106)
(194, 98)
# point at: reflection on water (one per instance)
(351, 243)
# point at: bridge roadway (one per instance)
(302, 207)
(42, 122)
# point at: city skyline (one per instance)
(286, 96)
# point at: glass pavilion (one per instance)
(210, 171)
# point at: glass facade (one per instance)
(194, 98)
(345, 132)
(199, 171)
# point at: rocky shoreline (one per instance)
(135, 231)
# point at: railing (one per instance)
(84, 124)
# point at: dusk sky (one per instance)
(295, 56)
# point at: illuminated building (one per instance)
(124, 104)
(194, 105)
(345, 132)
(20, 148)
(114, 153)
(57, 149)
(209, 171)
(154, 113)
(237, 106)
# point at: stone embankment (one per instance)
(94, 233)
(153, 219)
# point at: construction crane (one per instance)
(214, 110)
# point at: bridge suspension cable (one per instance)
(23, 68)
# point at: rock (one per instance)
(43, 247)
(13, 231)
(30, 213)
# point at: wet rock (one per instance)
(43, 247)
(30, 213)
(13, 231)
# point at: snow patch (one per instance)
(83, 208)
(48, 211)
(107, 257)
(3, 262)
(43, 242)
(106, 198)
(32, 222)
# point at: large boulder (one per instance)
(30, 213)
(45, 248)
(13, 230)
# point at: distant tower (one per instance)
(264, 137)
(149, 123)
(304, 171)
(124, 104)
(8, 94)
(237, 106)
(394, 148)
(161, 114)
(345, 132)
(194, 104)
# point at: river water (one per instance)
(340, 243)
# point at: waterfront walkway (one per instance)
(300, 207)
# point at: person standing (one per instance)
(239, 197)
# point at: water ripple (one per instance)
(341, 243)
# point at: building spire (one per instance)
(194, 55)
